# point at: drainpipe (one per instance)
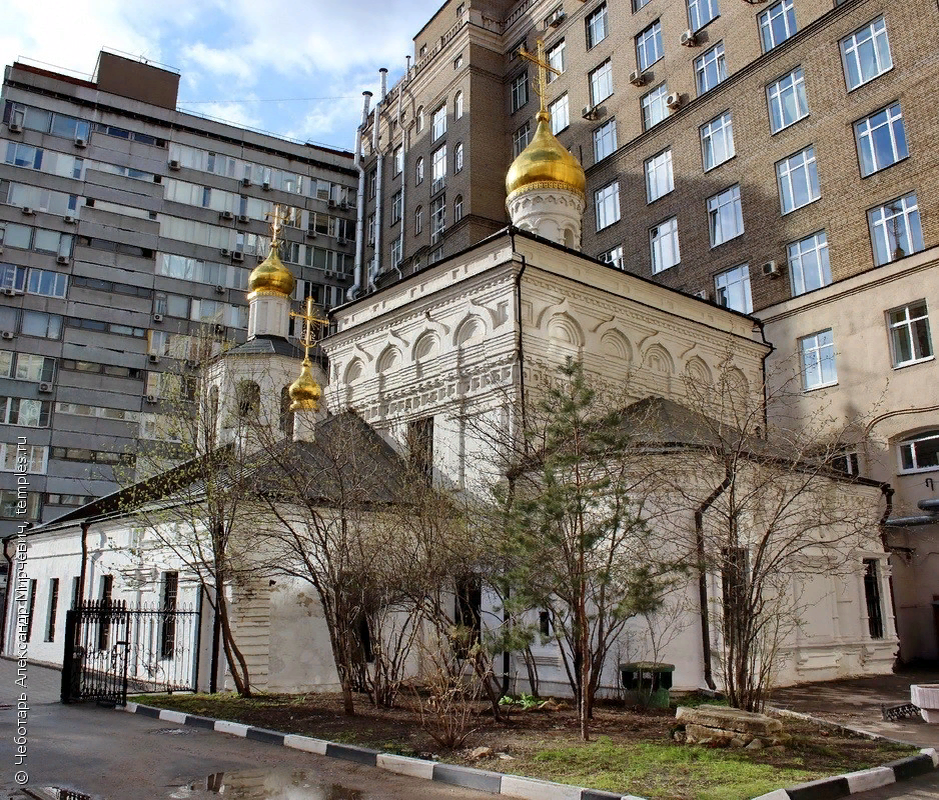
(9, 591)
(356, 287)
(888, 492)
(703, 579)
(379, 179)
(82, 574)
(404, 175)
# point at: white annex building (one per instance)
(454, 352)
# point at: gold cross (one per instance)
(308, 337)
(278, 217)
(543, 68)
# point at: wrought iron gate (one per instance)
(111, 648)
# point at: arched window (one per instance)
(457, 208)
(419, 170)
(286, 415)
(458, 105)
(418, 219)
(249, 399)
(458, 157)
(420, 119)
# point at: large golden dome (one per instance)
(545, 163)
(271, 276)
(304, 391)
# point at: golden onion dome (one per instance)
(304, 391)
(545, 163)
(271, 276)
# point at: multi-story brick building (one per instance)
(126, 228)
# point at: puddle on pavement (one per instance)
(266, 784)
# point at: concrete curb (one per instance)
(452, 774)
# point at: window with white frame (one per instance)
(601, 83)
(910, 340)
(604, 140)
(777, 24)
(39, 323)
(895, 229)
(649, 46)
(725, 216)
(438, 217)
(606, 203)
(637, 4)
(419, 171)
(439, 169)
(663, 241)
(560, 114)
(419, 118)
(458, 105)
(710, 68)
(521, 138)
(370, 230)
(32, 459)
(396, 249)
(398, 159)
(653, 106)
(732, 289)
(881, 139)
(817, 353)
(519, 91)
(787, 100)
(717, 141)
(458, 157)
(614, 257)
(28, 413)
(866, 54)
(47, 283)
(809, 267)
(418, 220)
(555, 56)
(439, 127)
(660, 180)
(919, 453)
(396, 207)
(797, 177)
(457, 208)
(701, 12)
(596, 24)
(12, 277)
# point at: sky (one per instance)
(296, 69)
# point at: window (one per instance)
(875, 611)
(458, 61)
(439, 169)
(419, 171)
(653, 106)
(418, 219)
(710, 68)
(29, 413)
(895, 229)
(53, 609)
(439, 122)
(46, 283)
(798, 180)
(438, 217)
(30, 367)
(419, 118)
(601, 83)
(396, 207)
(920, 452)
(604, 140)
(732, 289)
(13, 507)
(614, 257)
(649, 46)
(606, 203)
(660, 179)
(560, 114)
(420, 442)
(725, 216)
(596, 23)
(787, 100)
(457, 209)
(717, 141)
(38, 323)
(168, 627)
(31, 459)
(396, 249)
(881, 140)
(398, 159)
(555, 57)
(12, 277)
(458, 105)
(519, 91)
(663, 239)
(777, 24)
(866, 54)
(701, 12)
(458, 157)
(31, 610)
(910, 341)
(520, 138)
(637, 4)
(818, 360)
(808, 263)
(370, 230)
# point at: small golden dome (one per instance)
(304, 391)
(271, 276)
(545, 163)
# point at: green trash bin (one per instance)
(647, 683)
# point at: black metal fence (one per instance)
(112, 648)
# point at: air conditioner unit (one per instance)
(7, 334)
(158, 318)
(687, 39)
(28, 211)
(238, 256)
(342, 242)
(311, 234)
(771, 269)
(266, 185)
(636, 78)
(673, 100)
(244, 218)
(220, 329)
(589, 112)
(45, 387)
(70, 219)
(80, 141)
(15, 127)
(331, 203)
(246, 181)
(61, 259)
(557, 18)
(226, 215)
(174, 163)
(152, 398)
(153, 358)
(225, 252)
(11, 292)
(344, 204)
(220, 289)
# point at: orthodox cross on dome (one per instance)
(278, 217)
(543, 69)
(308, 336)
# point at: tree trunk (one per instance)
(236, 659)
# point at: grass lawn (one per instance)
(632, 750)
